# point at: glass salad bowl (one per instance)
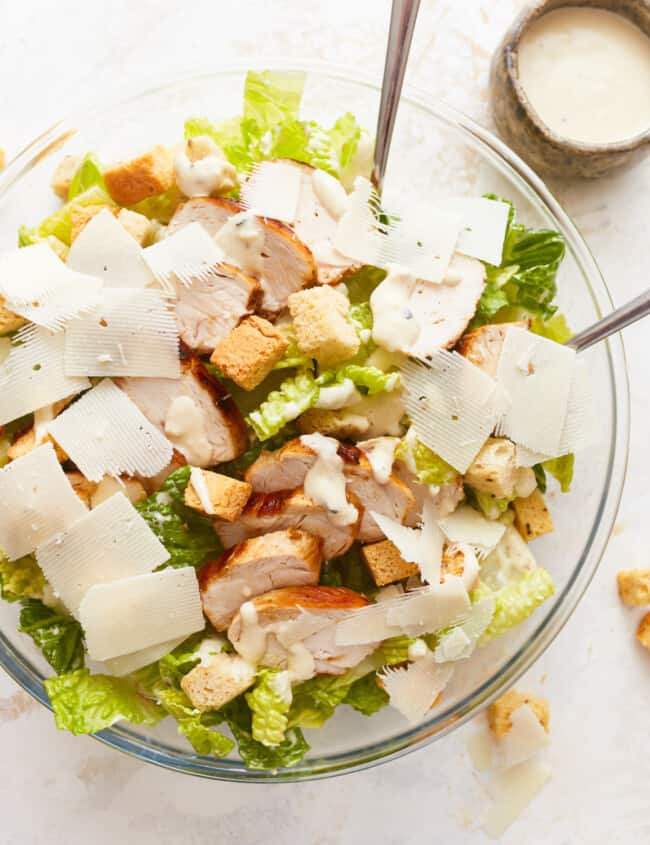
(436, 153)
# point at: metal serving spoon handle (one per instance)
(614, 322)
(400, 35)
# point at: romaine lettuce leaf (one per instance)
(89, 174)
(492, 506)
(344, 137)
(272, 96)
(315, 701)
(20, 579)
(295, 396)
(428, 467)
(293, 357)
(194, 725)
(372, 379)
(562, 470)
(85, 703)
(254, 754)
(173, 666)
(188, 536)
(160, 207)
(58, 635)
(516, 601)
(269, 701)
(395, 650)
(349, 570)
(366, 696)
(361, 283)
(59, 224)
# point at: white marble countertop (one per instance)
(58, 57)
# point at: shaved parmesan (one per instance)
(407, 540)
(122, 545)
(296, 630)
(36, 501)
(581, 426)
(105, 433)
(367, 625)
(36, 284)
(33, 376)
(483, 227)
(427, 611)
(272, 189)
(142, 611)
(413, 690)
(465, 525)
(460, 642)
(525, 738)
(421, 546)
(512, 791)
(453, 405)
(128, 663)
(106, 250)
(131, 333)
(200, 486)
(431, 541)
(536, 373)
(187, 254)
(526, 458)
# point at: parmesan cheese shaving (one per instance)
(200, 486)
(120, 666)
(187, 254)
(512, 791)
(131, 333)
(33, 375)
(105, 249)
(483, 228)
(465, 525)
(108, 543)
(105, 433)
(36, 501)
(453, 405)
(525, 738)
(460, 642)
(413, 690)
(142, 611)
(421, 546)
(272, 189)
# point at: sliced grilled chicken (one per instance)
(445, 498)
(483, 346)
(266, 512)
(287, 264)
(315, 224)
(287, 467)
(209, 308)
(443, 311)
(208, 427)
(316, 611)
(279, 559)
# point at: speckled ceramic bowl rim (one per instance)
(511, 51)
(504, 160)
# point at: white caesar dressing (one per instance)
(300, 663)
(329, 192)
(280, 683)
(417, 649)
(380, 451)
(242, 239)
(209, 648)
(325, 482)
(198, 482)
(338, 396)
(184, 426)
(252, 638)
(202, 169)
(586, 73)
(394, 325)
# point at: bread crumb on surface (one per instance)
(643, 631)
(634, 587)
(500, 711)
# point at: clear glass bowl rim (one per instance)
(126, 740)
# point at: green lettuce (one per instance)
(366, 696)
(429, 468)
(89, 174)
(20, 579)
(515, 602)
(395, 650)
(188, 536)
(57, 634)
(293, 357)
(59, 224)
(272, 96)
(315, 701)
(344, 137)
(349, 570)
(562, 470)
(160, 207)
(173, 666)
(492, 506)
(255, 754)
(85, 703)
(269, 702)
(362, 282)
(294, 396)
(195, 726)
(372, 379)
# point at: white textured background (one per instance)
(55, 789)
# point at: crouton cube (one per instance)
(500, 711)
(323, 330)
(532, 517)
(452, 563)
(27, 442)
(386, 564)
(248, 353)
(343, 424)
(494, 470)
(64, 174)
(227, 496)
(214, 684)
(3, 159)
(82, 487)
(137, 225)
(483, 346)
(80, 215)
(634, 586)
(9, 321)
(152, 173)
(643, 631)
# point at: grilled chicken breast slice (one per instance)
(256, 566)
(483, 346)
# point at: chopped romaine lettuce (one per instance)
(181, 660)
(20, 579)
(254, 754)
(361, 283)
(161, 207)
(395, 650)
(192, 724)
(345, 136)
(85, 703)
(57, 634)
(269, 702)
(516, 601)
(372, 379)
(59, 224)
(272, 96)
(349, 570)
(315, 701)
(490, 505)
(366, 696)
(428, 467)
(188, 536)
(562, 470)
(293, 356)
(295, 396)
(89, 174)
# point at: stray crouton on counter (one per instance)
(532, 517)
(500, 711)
(385, 563)
(323, 330)
(64, 174)
(249, 352)
(634, 587)
(218, 495)
(643, 631)
(214, 684)
(152, 173)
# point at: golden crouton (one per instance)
(500, 711)
(532, 517)
(82, 487)
(223, 678)
(323, 330)
(452, 563)
(343, 424)
(3, 159)
(27, 442)
(494, 470)
(109, 486)
(64, 174)
(227, 495)
(483, 346)
(249, 352)
(202, 146)
(137, 225)
(80, 215)
(9, 321)
(634, 586)
(386, 564)
(152, 173)
(643, 631)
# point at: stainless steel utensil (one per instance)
(612, 323)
